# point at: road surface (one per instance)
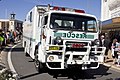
(24, 66)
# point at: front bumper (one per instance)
(87, 59)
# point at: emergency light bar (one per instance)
(79, 11)
(68, 9)
(58, 8)
(45, 8)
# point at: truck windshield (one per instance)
(72, 22)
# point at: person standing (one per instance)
(114, 49)
(11, 36)
(105, 42)
(102, 40)
(1, 40)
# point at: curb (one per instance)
(105, 64)
(111, 66)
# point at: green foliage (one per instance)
(7, 75)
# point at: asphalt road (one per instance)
(25, 68)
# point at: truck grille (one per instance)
(78, 57)
(76, 46)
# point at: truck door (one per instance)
(43, 31)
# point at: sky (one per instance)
(21, 7)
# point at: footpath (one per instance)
(109, 62)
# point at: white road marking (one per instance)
(10, 61)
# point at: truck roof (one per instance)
(56, 9)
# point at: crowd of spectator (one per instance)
(9, 37)
(112, 45)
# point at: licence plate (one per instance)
(54, 47)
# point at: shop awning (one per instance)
(113, 23)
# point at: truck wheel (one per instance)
(27, 55)
(38, 64)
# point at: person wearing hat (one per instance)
(105, 42)
(102, 40)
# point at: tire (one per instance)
(27, 55)
(38, 65)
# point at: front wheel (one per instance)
(39, 66)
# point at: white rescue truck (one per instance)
(60, 38)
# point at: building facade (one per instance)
(8, 25)
(11, 24)
(110, 9)
(110, 17)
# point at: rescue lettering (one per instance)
(73, 35)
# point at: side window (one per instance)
(30, 16)
(39, 21)
(91, 26)
(46, 19)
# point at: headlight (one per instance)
(96, 42)
(58, 40)
(51, 58)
